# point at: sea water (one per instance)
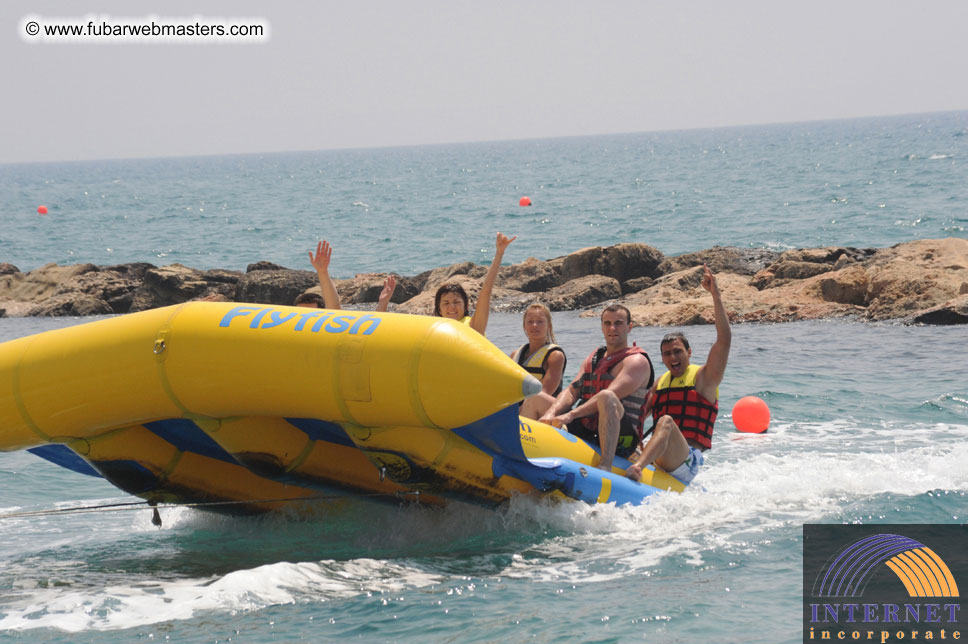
(870, 421)
(866, 183)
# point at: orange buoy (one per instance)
(41, 210)
(751, 414)
(525, 201)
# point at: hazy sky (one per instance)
(383, 73)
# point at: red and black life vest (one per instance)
(595, 377)
(678, 398)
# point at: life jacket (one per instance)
(535, 363)
(466, 320)
(679, 399)
(595, 377)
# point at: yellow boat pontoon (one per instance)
(243, 406)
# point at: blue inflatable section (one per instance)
(579, 481)
(322, 430)
(188, 437)
(63, 456)
(499, 435)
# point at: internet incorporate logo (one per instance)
(922, 572)
(909, 591)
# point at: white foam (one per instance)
(743, 498)
(127, 606)
(751, 489)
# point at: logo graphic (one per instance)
(884, 583)
(919, 568)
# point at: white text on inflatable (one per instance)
(312, 321)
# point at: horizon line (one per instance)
(483, 141)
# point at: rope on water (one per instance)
(156, 519)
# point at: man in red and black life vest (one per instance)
(611, 390)
(685, 400)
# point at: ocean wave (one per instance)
(955, 403)
(735, 506)
(128, 605)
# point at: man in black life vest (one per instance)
(611, 390)
(685, 400)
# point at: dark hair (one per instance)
(672, 337)
(450, 288)
(615, 308)
(314, 298)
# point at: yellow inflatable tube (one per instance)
(208, 361)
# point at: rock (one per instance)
(954, 311)
(923, 281)
(636, 284)
(582, 292)
(432, 280)
(135, 270)
(70, 304)
(107, 286)
(264, 266)
(684, 280)
(846, 286)
(804, 263)
(365, 287)
(785, 271)
(722, 259)
(762, 279)
(908, 278)
(279, 286)
(39, 283)
(621, 262)
(791, 270)
(531, 276)
(175, 284)
(406, 289)
(827, 255)
(679, 299)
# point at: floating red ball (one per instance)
(751, 414)
(525, 201)
(41, 210)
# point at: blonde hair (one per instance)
(538, 306)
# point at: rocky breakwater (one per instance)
(920, 282)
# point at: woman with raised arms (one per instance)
(451, 300)
(320, 261)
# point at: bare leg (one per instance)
(610, 412)
(535, 406)
(667, 447)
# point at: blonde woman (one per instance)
(541, 357)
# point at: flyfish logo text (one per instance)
(312, 321)
(882, 586)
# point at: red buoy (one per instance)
(525, 201)
(751, 414)
(41, 210)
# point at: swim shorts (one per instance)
(688, 470)
(628, 438)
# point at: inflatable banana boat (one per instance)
(240, 408)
